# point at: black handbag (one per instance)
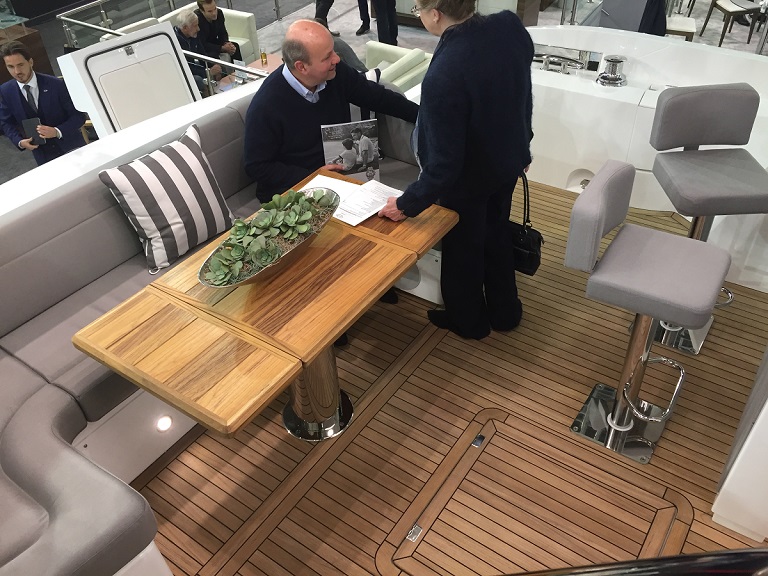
(525, 240)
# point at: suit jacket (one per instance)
(55, 108)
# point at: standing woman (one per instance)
(473, 141)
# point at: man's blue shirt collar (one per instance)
(302, 90)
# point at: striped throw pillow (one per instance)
(171, 198)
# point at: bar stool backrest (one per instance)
(693, 116)
(600, 208)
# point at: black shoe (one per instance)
(440, 319)
(334, 32)
(742, 19)
(389, 297)
(342, 340)
(363, 29)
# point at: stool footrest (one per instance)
(638, 410)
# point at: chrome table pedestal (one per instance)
(318, 408)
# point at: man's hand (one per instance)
(334, 167)
(391, 210)
(47, 131)
(27, 144)
(228, 47)
(215, 71)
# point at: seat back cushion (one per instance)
(95, 524)
(55, 244)
(171, 198)
(601, 207)
(692, 116)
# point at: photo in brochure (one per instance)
(355, 146)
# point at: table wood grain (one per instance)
(199, 365)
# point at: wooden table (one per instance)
(222, 355)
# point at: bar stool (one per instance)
(731, 9)
(705, 183)
(642, 270)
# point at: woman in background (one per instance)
(473, 141)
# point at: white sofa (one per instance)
(401, 67)
(241, 27)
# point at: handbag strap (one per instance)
(527, 203)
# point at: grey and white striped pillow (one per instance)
(171, 198)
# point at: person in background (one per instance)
(322, 8)
(187, 30)
(365, 17)
(213, 31)
(32, 95)
(348, 156)
(386, 21)
(473, 142)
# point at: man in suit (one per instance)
(213, 32)
(32, 95)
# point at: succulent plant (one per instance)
(276, 228)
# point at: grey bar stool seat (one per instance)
(656, 275)
(705, 183)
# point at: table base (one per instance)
(316, 431)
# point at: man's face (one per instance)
(19, 67)
(356, 135)
(322, 61)
(191, 30)
(210, 12)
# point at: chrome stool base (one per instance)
(641, 439)
(317, 431)
(686, 340)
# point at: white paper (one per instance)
(366, 201)
(357, 202)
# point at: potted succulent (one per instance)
(279, 227)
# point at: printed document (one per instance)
(357, 202)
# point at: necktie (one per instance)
(30, 98)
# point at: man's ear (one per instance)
(32, 63)
(300, 66)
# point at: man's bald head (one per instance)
(301, 38)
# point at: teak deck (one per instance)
(531, 496)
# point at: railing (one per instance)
(250, 71)
(99, 9)
(580, 11)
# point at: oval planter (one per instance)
(291, 249)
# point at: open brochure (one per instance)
(355, 146)
(358, 202)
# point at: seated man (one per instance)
(187, 29)
(283, 143)
(213, 33)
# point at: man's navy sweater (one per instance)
(283, 144)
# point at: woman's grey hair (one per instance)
(186, 18)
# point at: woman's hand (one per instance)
(391, 210)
